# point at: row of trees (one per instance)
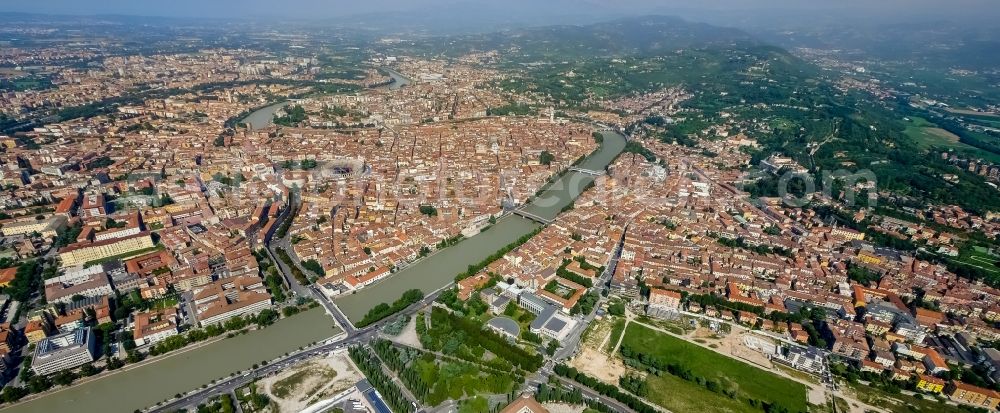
(384, 310)
(314, 266)
(264, 318)
(287, 223)
(548, 393)
(400, 362)
(634, 384)
(586, 303)
(605, 389)
(372, 369)
(475, 268)
(574, 277)
(296, 272)
(38, 384)
(272, 278)
(105, 333)
(275, 284)
(433, 381)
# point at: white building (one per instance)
(64, 351)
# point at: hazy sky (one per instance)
(954, 9)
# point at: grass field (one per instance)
(980, 257)
(927, 135)
(678, 395)
(616, 333)
(749, 381)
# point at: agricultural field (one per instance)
(929, 135)
(739, 380)
(974, 114)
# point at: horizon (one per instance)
(751, 11)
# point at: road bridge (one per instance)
(590, 172)
(522, 213)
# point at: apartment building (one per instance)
(663, 301)
(972, 395)
(48, 227)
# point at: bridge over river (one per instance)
(440, 268)
(139, 386)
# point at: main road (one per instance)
(353, 336)
(141, 385)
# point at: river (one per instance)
(183, 371)
(398, 80)
(263, 117)
(437, 270)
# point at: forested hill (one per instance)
(623, 37)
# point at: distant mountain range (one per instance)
(626, 36)
(579, 27)
(932, 42)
